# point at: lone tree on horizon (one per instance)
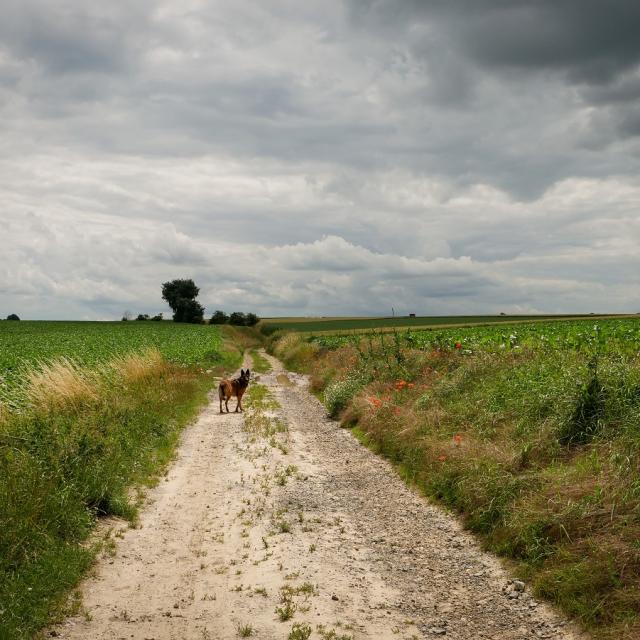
(181, 297)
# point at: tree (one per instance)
(157, 318)
(219, 317)
(13, 316)
(181, 297)
(142, 316)
(238, 318)
(126, 316)
(252, 319)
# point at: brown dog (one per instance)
(235, 387)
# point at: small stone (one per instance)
(437, 631)
(513, 595)
(518, 585)
(334, 597)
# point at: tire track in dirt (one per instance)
(281, 514)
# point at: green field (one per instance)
(314, 325)
(609, 335)
(89, 343)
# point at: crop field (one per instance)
(530, 431)
(587, 335)
(88, 343)
(326, 325)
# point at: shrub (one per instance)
(13, 316)
(238, 318)
(219, 317)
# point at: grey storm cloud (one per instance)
(320, 158)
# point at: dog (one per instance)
(235, 387)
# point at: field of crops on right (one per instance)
(530, 431)
(329, 325)
(586, 335)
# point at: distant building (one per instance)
(412, 315)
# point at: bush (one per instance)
(142, 316)
(238, 319)
(157, 318)
(13, 316)
(219, 317)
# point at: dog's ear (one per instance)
(241, 372)
(248, 373)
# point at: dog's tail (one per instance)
(221, 393)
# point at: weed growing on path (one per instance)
(300, 631)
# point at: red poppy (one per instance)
(458, 345)
(457, 438)
(442, 458)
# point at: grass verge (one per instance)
(260, 363)
(537, 448)
(85, 438)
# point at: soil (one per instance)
(246, 529)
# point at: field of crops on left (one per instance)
(23, 344)
(88, 412)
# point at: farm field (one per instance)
(586, 335)
(330, 325)
(530, 431)
(24, 343)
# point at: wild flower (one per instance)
(458, 345)
(442, 458)
(457, 439)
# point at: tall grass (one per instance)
(81, 438)
(537, 449)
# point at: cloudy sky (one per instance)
(325, 157)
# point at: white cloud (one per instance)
(313, 158)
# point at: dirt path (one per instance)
(280, 514)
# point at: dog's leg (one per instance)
(226, 404)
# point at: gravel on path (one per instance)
(276, 522)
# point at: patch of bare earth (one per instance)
(258, 528)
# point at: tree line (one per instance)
(181, 296)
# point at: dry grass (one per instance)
(64, 384)
(61, 384)
(132, 368)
